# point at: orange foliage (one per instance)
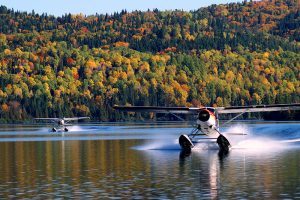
(7, 52)
(137, 37)
(5, 108)
(84, 29)
(91, 64)
(185, 87)
(75, 73)
(70, 61)
(121, 44)
(171, 49)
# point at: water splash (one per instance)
(260, 144)
(253, 137)
(237, 133)
(70, 129)
(43, 130)
(265, 137)
(76, 129)
(160, 145)
(206, 146)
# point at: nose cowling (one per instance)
(204, 115)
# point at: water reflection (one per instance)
(121, 169)
(52, 167)
(245, 174)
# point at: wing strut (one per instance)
(180, 118)
(227, 122)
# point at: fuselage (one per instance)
(207, 122)
(60, 126)
(61, 122)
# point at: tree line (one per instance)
(233, 54)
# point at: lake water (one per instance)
(144, 161)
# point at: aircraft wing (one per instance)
(50, 119)
(220, 110)
(258, 108)
(75, 118)
(159, 109)
(53, 120)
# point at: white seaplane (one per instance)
(207, 123)
(60, 124)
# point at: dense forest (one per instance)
(75, 65)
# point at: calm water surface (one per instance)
(144, 161)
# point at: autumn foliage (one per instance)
(74, 65)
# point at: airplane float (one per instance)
(61, 123)
(207, 123)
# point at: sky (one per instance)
(90, 7)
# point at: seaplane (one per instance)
(207, 121)
(60, 124)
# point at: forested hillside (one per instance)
(75, 65)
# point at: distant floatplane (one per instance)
(60, 124)
(207, 123)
